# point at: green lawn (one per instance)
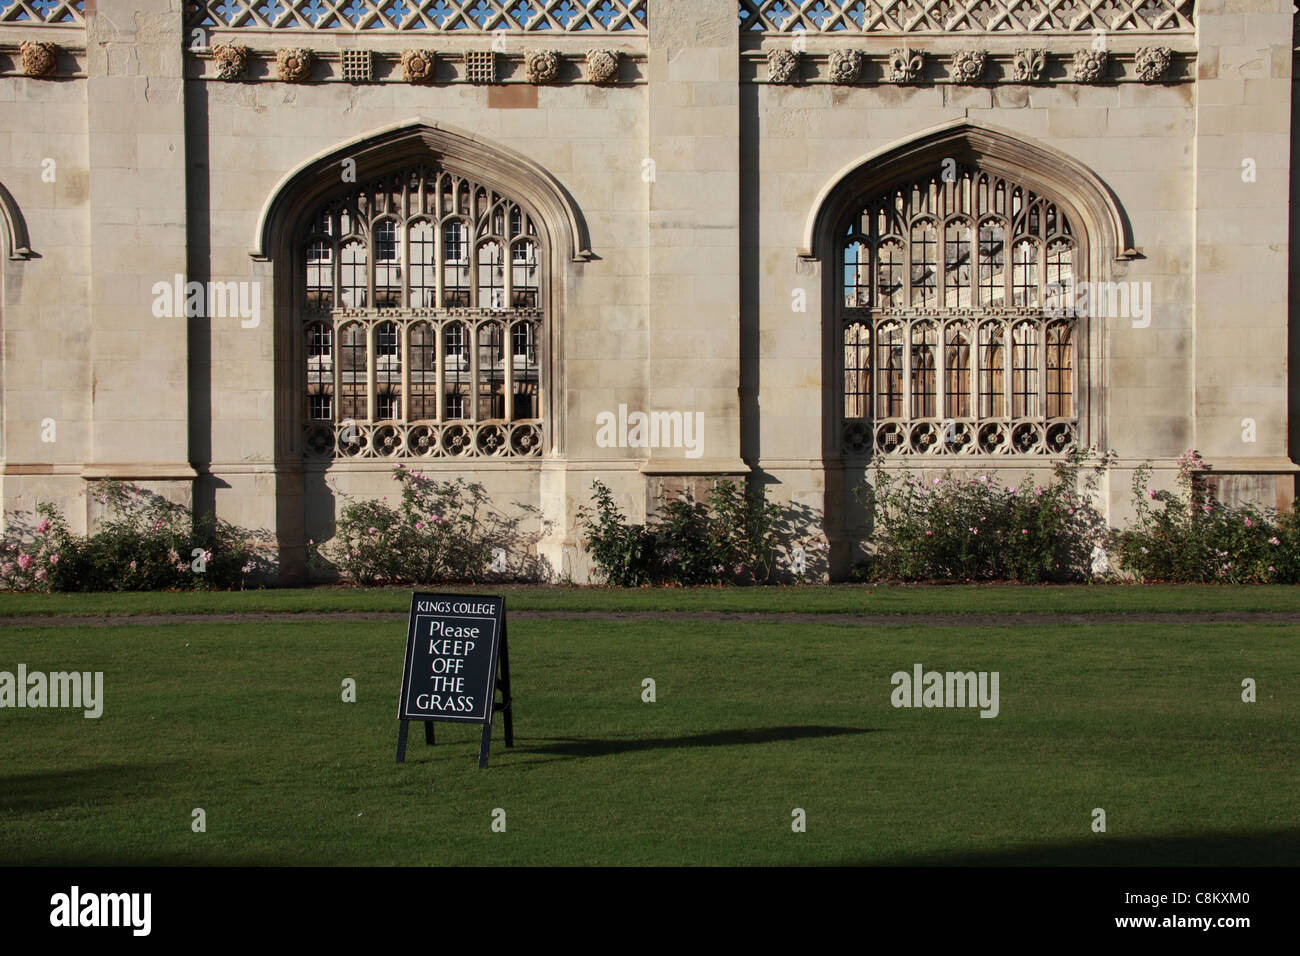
(753, 719)
(837, 599)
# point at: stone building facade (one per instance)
(258, 253)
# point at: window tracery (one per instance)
(951, 276)
(421, 309)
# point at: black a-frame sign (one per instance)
(456, 662)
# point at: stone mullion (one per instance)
(1008, 372)
(508, 388)
(440, 376)
(336, 270)
(507, 273)
(876, 375)
(940, 364)
(473, 330)
(439, 254)
(1073, 352)
(404, 355)
(336, 348)
(972, 346)
(906, 410)
(370, 371)
(1040, 412)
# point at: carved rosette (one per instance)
(417, 66)
(1089, 66)
(1152, 63)
(293, 65)
(542, 66)
(602, 66)
(846, 66)
(38, 58)
(968, 65)
(231, 60)
(905, 65)
(1027, 66)
(782, 66)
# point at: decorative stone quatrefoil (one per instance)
(542, 66)
(602, 66)
(38, 58)
(1152, 63)
(782, 66)
(1090, 66)
(293, 64)
(417, 66)
(846, 66)
(968, 65)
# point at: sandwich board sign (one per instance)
(456, 661)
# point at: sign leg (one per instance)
(483, 744)
(402, 728)
(428, 732)
(506, 700)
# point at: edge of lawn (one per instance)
(803, 599)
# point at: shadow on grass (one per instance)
(81, 858)
(52, 789)
(1271, 848)
(571, 747)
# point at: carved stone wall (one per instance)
(965, 16)
(443, 16)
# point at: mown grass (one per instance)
(836, 599)
(752, 721)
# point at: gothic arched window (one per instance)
(952, 278)
(420, 307)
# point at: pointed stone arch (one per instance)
(1104, 239)
(1050, 171)
(562, 231)
(420, 140)
(17, 244)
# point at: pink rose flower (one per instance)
(54, 559)
(23, 561)
(44, 526)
